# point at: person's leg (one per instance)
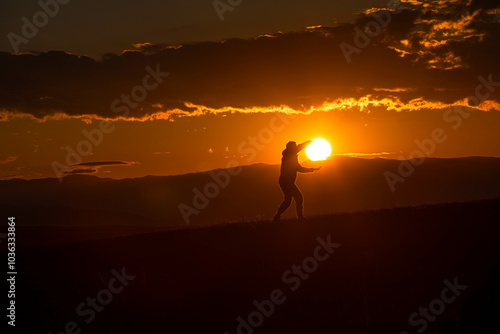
(299, 201)
(287, 201)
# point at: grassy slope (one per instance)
(390, 263)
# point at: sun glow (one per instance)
(319, 149)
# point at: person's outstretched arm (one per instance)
(302, 146)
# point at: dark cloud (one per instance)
(435, 52)
(484, 4)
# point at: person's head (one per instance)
(291, 145)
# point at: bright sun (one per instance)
(319, 149)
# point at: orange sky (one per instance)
(195, 106)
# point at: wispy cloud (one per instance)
(372, 155)
(8, 160)
(104, 163)
(82, 171)
(93, 167)
(11, 176)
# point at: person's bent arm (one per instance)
(307, 170)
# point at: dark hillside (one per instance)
(388, 265)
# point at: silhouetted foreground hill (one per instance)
(342, 185)
(367, 272)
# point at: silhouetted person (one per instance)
(289, 168)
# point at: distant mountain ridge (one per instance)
(343, 185)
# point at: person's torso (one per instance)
(289, 166)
